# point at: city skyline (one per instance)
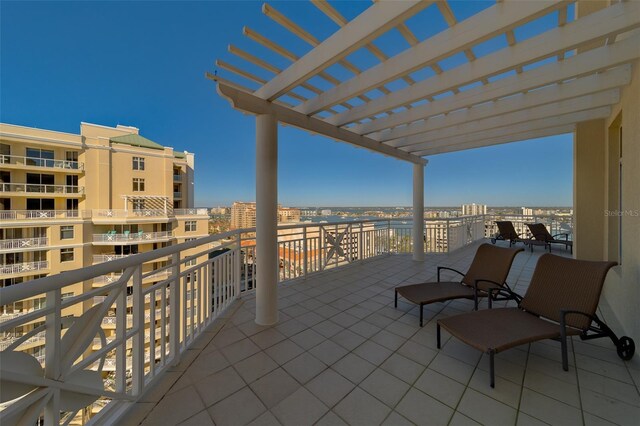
(124, 76)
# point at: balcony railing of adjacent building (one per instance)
(24, 243)
(41, 162)
(43, 214)
(121, 213)
(191, 212)
(41, 188)
(18, 268)
(101, 258)
(199, 287)
(132, 238)
(177, 178)
(177, 194)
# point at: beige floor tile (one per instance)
(417, 353)
(328, 352)
(162, 386)
(238, 409)
(612, 388)
(527, 420)
(609, 408)
(267, 338)
(265, 419)
(348, 339)
(330, 387)
(240, 350)
(452, 368)
(418, 406)
(218, 386)
(307, 339)
(440, 387)
(360, 408)
(299, 409)
(372, 352)
(395, 419)
(254, 367)
(331, 419)
(385, 387)
(207, 363)
(402, 368)
(504, 391)
(549, 410)
(200, 419)
(353, 368)
(136, 414)
(460, 419)
(552, 387)
(284, 351)
(485, 410)
(304, 367)
(274, 387)
(175, 408)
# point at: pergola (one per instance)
(538, 86)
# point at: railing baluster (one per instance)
(174, 317)
(52, 354)
(138, 338)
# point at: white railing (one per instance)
(7, 341)
(101, 258)
(43, 214)
(191, 212)
(132, 237)
(177, 194)
(41, 162)
(121, 213)
(204, 277)
(17, 268)
(41, 188)
(23, 243)
(177, 178)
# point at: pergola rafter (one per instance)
(486, 93)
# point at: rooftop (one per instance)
(341, 354)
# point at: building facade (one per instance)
(69, 201)
(243, 215)
(474, 209)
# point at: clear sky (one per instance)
(142, 64)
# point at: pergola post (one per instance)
(418, 212)
(267, 219)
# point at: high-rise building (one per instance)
(243, 215)
(526, 211)
(474, 209)
(72, 200)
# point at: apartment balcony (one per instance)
(177, 178)
(37, 190)
(43, 215)
(132, 238)
(24, 268)
(115, 216)
(23, 244)
(191, 212)
(177, 195)
(33, 163)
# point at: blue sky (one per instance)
(143, 63)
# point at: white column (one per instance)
(418, 212)
(267, 219)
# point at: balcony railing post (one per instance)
(237, 258)
(52, 354)
(174, 323)
(138, 339)
(305, 254)
(388, 236)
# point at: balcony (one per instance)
(46, 215)
(24, 268)
(191, 212)
(23, 244)
(177, 178)
(19, 162)
(28, 189)
(177, 194)
(131, 238)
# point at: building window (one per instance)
(66, 232)
(66, 255)
(138, 204)
(138, 184)
(190, 225)
(188, 239)
(191, 262)
(138, 163)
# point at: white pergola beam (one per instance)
(617, 77)
(517, 137)
(250, 103)
(586, 63)
(372, 23)
(596, 100)
(596, 26)
(559, 120)
(483, 26)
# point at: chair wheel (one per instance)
(626, 348)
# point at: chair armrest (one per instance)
(566, 236)
(504, 291)
(448, 269)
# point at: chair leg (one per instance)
(492, 376)
(475, 301)
(421, 314)
(563, 348)
(395, 302)
(438, 335)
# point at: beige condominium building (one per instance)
(243, 215)
(73, 200)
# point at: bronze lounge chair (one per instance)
(507, 232)
(561, 300)
(490, 265)
(539, 233)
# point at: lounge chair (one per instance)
(491, 265)
(507, 232)
(539, 232)
(561, 301)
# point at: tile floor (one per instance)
(341, 354)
